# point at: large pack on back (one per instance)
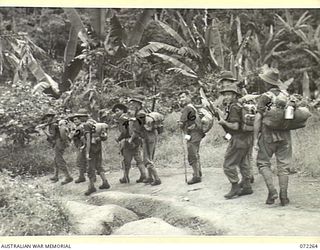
(275, 114)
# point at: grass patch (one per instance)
(29, 209)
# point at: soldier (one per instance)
(269, 142)
(240, 143)
(191, 126)
(128, 150)
(77, 135)
(93, 153)
(149, 139)
(58, 137)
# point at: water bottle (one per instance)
(289, 111)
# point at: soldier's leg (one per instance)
(265, 152)
(99, 168)
(55, 177)
(246, 173)
(82, 165)
(152, 148)
(60, 162)
(139, 161)
(91, 174)
(126, 164)
(283, 157)
(232, 160)
(147, 161)
(193, 149)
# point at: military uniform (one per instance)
(95, 158)
(238, 151)
(59, 144)
(149, 142)
(191, 125)
(81, 161)
(272, 142)
(131, 150)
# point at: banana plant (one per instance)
(196, 52)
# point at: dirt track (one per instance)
(243, 216)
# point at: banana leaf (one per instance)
(153, 47)
(182, 71)
(175, 62)
(305, 85)
(173, 33)
(97, 20)
(137, 31)
(215, 46)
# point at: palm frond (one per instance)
(289, 18)
(142, 22)
(270, 37)
(187, 51)
(215, 45)
(284, 23)
(182, 71)
(302, 35)
(272, 51)
(173, 33)
(175, 62)
(314, 55)
(153, 47)
(302, 19)
(97, 20)
(305, 85)
(185, 28)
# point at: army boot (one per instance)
(55, 177)
(91, 188)
(157, 180)
(149, 179)
(283, 183)
(246, 188)
(235, 190)
(142, 171)
(105, 184)
(125, 178)
(68, 178)
(194, 180)
(268, 179)
(81, 178)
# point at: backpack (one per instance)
(154, 120)
(98, 130)
(274, 116)
(248, 113)
(205, 117)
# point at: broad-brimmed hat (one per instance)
(227, 75)
(137, 99)
(230, 88)
(271, 76)
(81, 113)
(121, 106)
(50, 112)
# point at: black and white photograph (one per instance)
(160, 122)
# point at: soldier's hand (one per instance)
(88, 156)
(255, 145)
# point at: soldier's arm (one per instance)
(234, 119)
(256, 129)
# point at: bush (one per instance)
(33, 159)
(28, 209)
(306, 148)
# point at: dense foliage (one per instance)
(94, 58)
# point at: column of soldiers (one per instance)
(137, 140)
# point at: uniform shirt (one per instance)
(123, 126)
(138, 130)
(189, 117)
(242, 139)
(271, 135)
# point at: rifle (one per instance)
(208, 104)
(184, 156)
(157, 80)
